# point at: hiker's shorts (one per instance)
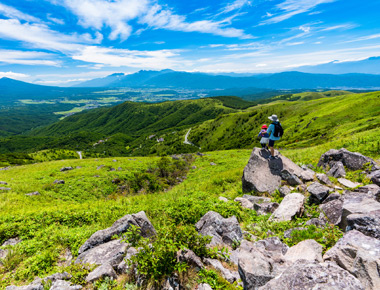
(271, 143)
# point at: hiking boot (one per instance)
(271, 157)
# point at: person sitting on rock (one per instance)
(275, 132)
(264, 137)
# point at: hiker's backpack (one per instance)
(278, 131)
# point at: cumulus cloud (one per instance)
(11, 12)
(27, 57)
(13, 75)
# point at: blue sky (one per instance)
(58, 42)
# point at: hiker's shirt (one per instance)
(271, 132)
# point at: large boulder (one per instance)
(120, 226)
(359, 255)
(332, 211)
(264, 175)
(308, 250)
(109, 253)
(291, 205)
(222, 230)
(318, 192)
(337, 170)
(352, 160)
(306, 275)
(367, 223)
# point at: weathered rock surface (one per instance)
(284, 190)
(102, 271)
(307, 175)
(367, 223)
(256, 199)
(120, 226)
(230, 276)
(64, 285)
(306, 275)
(318, 192)
(123, 267)
(59, 182)
(221, 198)
(348, 183)
(290, 178)
(332, 211)
(35, 285)
(273, 245)
(5, 188)
(359, 255)
(316, 222)
(33, 193)
(337, 170)
(204, 286)
(222, 230)
(190, 258)
(245, 203)
(66, 168)
(10, 242)
(109, 253)
(308, 250)
(3, 182)
(266, 207)
(370, 190)
(291, 205)
(375, 177)
(324, 179)
(288, 233)
(57, 276)
(332, 196)
(172, 283)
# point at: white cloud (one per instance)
(13, 75)
(235, 5)
(11, 12)
(290, 8)
(340, 26)
(363, 38)
(55, 20)
(27, 57)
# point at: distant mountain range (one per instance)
(277, 81)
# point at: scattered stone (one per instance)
(33, 193)
(230, 276)
(78, 167)
(266, 207)
(57, 276)
(222, 230)
(256, 199)
(64, 285)
(123, 267)
(301, 188)
(119, 169)
(102, 271)
(114, 160)
(59, 181)
(284, 190)
(318, 192)
(332, 211)
(367, 223)
(172, 283)
(212, 163)
(288, 233)
(204, 286)
(306, 275)
(331, 197)
(245, 203)
(100, 167)
(11, 243)
(307, 175)
(337, 170)
(324, 179)
(290, 178)
(193, 167)
(272, 245)
(112, 169)
(291, 205)
(65, 258)
(347, 183)
(120, 226)
(359, 255)
(190, 258)
(5, 188)
(3, 182)
(308, 250)
(371, 190)
(223, 199)
(375, 177)
(338, 187)
(316, 222)
(108, 253)
(200, 154)
(36, 285)
(66, 168)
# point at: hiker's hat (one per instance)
(273, 118)
(264, 127)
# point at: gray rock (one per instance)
(204, 286)
(108, 253)
(221, 198)
(100, 167)
(307, 175)
(3, 182)
(123, 267)
(290, 178)
(222, 230)
(306, 275)
(288, 233)
(57, 276)
(66, 168)
(102, 271)
(64, 285)
(245, 203)
(332, 211)
(308, 250)
(190, 258)
(120, 226)
(35, 285)
(33, 193)
(332, 196)
(266, 207)
(324, 179)
(65, 258)
(284, 190)
(273, 245)
(291, 205)
(5, 188)
(375, 177)
(212, 163)
(370, 190)
(368, 223)
(230, 276)
(256, 199)
(337, 170)
(8, 243)
(316, 222)
(359, 255)
(172, 283)
(356, 204)
(318, 192)
(347, 183)
(59, 182)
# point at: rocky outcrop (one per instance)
(222, 230)
(102, 271)
(367, 223)
(318, 192)
(120, 226)
(359, 255)
(291, 205)
(332, 211)
(306, 275)
(370, 190)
